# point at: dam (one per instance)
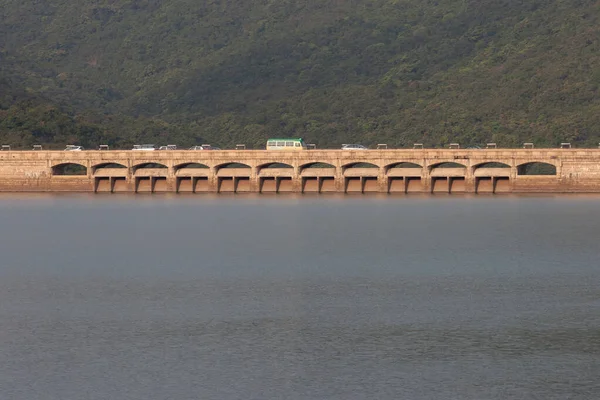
(310, 171)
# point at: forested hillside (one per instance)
(338, 71)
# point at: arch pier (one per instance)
(315, 171)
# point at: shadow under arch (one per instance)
(148, 165)
(316, 165)
(447, 164)
(359, 165)
(273, 165)
(231, 165)
(492, 164)
(69, 169)
(190, 165)
(536, 168)
(402, 165)
(107, 165)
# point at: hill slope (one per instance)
(229, 71)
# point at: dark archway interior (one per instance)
(69, 169)
(536, 168)
(448, 165)
(361, 165)
(493, 165)
(404, 165)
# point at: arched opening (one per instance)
(448, 177)
(316, 165)
(444, 165)
(232, 165)
(536, 169)
(359, 165)
(492, 165)
(275, 177)
(403, 165)
(404, 177)
(191, 177)
(69, 169)
(274, 165)
(360, 177)
(150, 177)
(107, 166)
(318, 177)
(190, 165)
(149, 165)
(233, 177)
(492, 177)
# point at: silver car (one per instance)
(353, 147)
(144, 147)
(204, 147)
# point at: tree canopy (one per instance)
(237, 71)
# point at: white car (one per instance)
(144, 147)
(353, 147)
(168, 147)
(71, 147)
(204, 147)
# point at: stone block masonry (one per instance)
(309, 171)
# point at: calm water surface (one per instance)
(158, 297)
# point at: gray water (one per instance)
(285, 297)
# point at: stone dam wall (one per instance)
(310, 171)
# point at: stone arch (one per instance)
(446, 164)
(316, 164)
(536, 168)
(274, 165)
(148, 165)
(403, 166)
(190, 165)
(359, 165)
(491, 164)
(108, 165)
(231, 165)
(69, 169)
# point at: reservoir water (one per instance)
(299, 297)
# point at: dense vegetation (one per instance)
(240, 71)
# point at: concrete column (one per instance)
(469, 179)
(213, 180)
(297, 180)
(426, 178)
(171, 179)
(254, 181)
(382, 181)
(559, 173)
(91, 180)
(340, 184)
(513, 174)
(130, 176)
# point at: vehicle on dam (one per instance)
(354, 147)
(144, 147)
(71, 147)
(204, 147)
(287, 144)
(168, 147)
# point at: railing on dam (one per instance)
(384, 171)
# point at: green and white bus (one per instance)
(286, 144)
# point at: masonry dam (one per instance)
(310, 171)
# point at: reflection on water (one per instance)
(299, 297)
